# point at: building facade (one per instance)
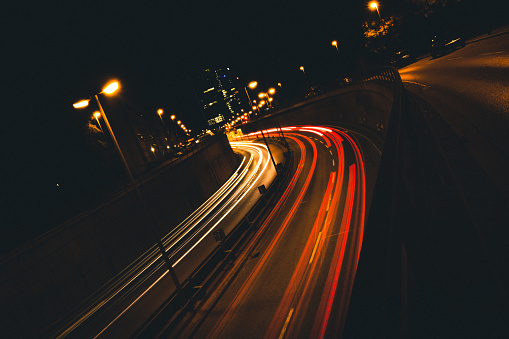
(219, 95)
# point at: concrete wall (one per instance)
(47, 278)
(365, 107)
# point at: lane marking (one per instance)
(333, 235)
(416, 83)
(493, 53)
(328, 205)
(316, 246)
(286, 323)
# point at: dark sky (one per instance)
(58, 52)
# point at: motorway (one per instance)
(128, 300)
(469, 88)
(295, 276)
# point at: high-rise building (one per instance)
(218, 92)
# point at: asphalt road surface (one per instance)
(469, 88)
(294, 278)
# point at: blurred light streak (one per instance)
(330, 291)
(239, 199)
(223, 320)
(310, 131)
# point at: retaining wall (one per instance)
(47, 278)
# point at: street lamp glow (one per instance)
(334, 43)
(373, 5)
(81, 104)
(252, 84)
(261, 95)
(172, 117)
(272, 91)
(160, 112)
(302, 68)
(97, 115)
(179, 122)
(111, 88)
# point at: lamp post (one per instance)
(304, 71)
(165, 129)
(251, 85)
(110, 89)
(267, 95)
(335, 44)
(373, 5)
(96, 116)
(176, 131)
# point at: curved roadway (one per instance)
(294, 278)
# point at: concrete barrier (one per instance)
(365, 107)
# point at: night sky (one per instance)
(55, 53)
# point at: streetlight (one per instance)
(335, 44)
(96, 116)
(160, 113)
(251, 85)
(109, 89)
(373, 5)
(272, 91)
(173, 126)
(303, 71)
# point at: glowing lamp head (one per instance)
(373, 5)
(81, 104)
(334, 43)
(172, 117)
(97, 115)
(253, 84)
(160, 111)
(261, 95)
(111, 88)
(272, 91)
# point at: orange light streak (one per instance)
(223, 321)
(323, 314)
(310, 281)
